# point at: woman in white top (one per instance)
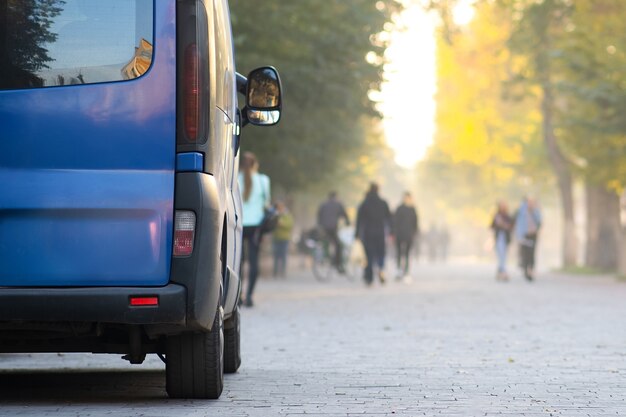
(255, 189)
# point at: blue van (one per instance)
(120, 213)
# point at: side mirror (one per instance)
(263, 97)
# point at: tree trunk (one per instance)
(559, 163)
(603, 228)
(561, 170)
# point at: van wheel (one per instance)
(195, 362)
(232, 347)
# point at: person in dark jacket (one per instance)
(373, 221)
(405, 230)
(328, 215)
(502, 225)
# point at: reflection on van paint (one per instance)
(140, 63)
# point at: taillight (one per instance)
(191, 90)
(184, 231)
(192, 70)
(143, 301)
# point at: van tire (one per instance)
(195, 362)
(232, 343)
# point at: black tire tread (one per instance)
(232, 344)
(193, 368)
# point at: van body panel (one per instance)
(87, 177)
(85, 227)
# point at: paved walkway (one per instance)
(453, 342)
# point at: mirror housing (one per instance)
(263, 97)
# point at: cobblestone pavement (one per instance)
(453, 342)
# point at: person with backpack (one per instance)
(255, 189)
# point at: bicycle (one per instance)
(323, 263)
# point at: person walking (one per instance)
(527, 225)
(373, 221)
(405, 230)
(281, 239)
(255, 188)
(502, 224)
(432, 241)
(329, 214)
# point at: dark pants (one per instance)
(252, 244)
(280, 257)
(527, 255)
(403, 249)
(375, 252)
(333, 237)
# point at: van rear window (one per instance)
(48, 43)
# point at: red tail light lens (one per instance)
(184, 232)
(144, 301)
(191, 90)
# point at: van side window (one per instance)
(47, 43)
(224, 60)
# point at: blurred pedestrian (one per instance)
(527, 225)
(255, 188)
(373, 222)
(432, 241)
(502, 225)
(281, 239)
(443, 242)
(329, 213)
(405, 230)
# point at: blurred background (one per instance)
(462, 103)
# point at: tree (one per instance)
(487, 144)
(321, 52)
(536, 37)
(566, 60)
(594, 90)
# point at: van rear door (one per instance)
(87, 142)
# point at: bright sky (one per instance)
(407, 97)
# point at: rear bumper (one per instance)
(187, 303)
(97, 304)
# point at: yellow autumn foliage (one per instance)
(487, 144)
(474, 123)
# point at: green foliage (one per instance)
(593, 87)
(488, 145)
(320, 49)
(579, 49)
(566, 59)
